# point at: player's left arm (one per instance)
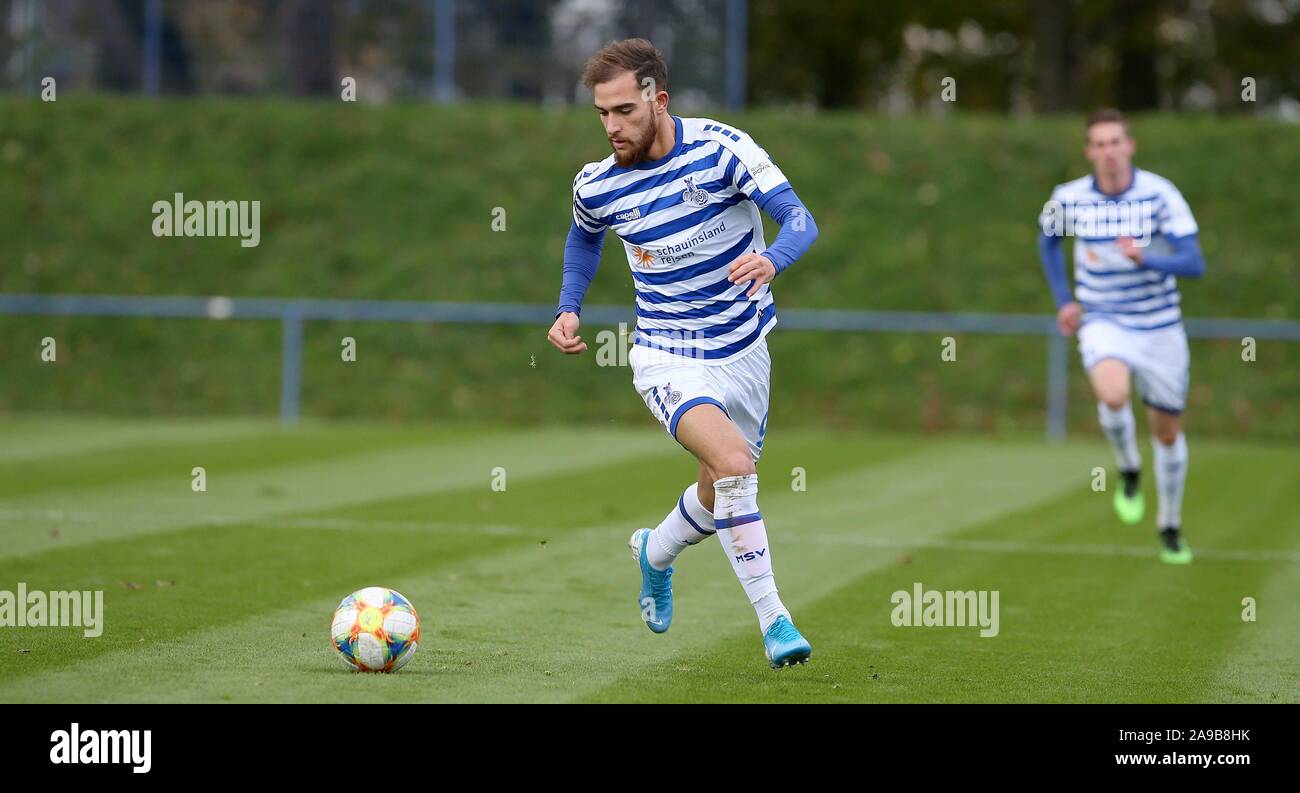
(752, 172)
(798, 233)
(1178, 226)
(1185, 262)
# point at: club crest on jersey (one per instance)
(693, 194)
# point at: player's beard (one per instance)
(640, 148)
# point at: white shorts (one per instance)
(1159, 359)
(672, 384)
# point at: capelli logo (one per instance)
(89, 747)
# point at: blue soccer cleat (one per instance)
(784, 645)
(656, 599)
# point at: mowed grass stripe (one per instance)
(312, 485)
(161, 591)
(951, 486)
(639, 492)
(476, 508)
(35, 437)
(1143, 638)
(1263, 662)
(559, 621)
(191, 580)
(1250, 498)
(51, 476)
(523, 502)
(1071, 628)
(1161, 633)
(470, 659)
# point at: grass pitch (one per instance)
(529, 594)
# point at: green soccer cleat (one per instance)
(1174, 550)
(1130, 504)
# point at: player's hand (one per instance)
(752, 266)
(1130, 249)
(1069, 318)
(564, 334)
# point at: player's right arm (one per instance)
(1069, 314)
(581, 258)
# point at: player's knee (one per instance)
(1166, 434)
(734, 463)
(1113, 398)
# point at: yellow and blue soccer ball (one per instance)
(375, 630)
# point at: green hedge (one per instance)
(397, 202)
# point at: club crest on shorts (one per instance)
(670, 396)
(693, 194)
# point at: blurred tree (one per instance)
(984, 46)
(6, 39)
(1053, 54)
(503, 48)
(834, 54)
(1132, 27)
(1257, 40)
(308, 30)
(118, 27)
(119, 50)
(386, 46)
(1047, 55)
(1005, 55)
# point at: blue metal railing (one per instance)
(293, 313)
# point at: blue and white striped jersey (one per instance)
(683, 219)
(1108, 284)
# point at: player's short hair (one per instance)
(638, 56)
(1103, 116)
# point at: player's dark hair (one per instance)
(1105, 115)
(629, 55)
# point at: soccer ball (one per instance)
(375, 630)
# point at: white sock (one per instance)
(1171, 477)
(744, 538)
(1121, 431)
(689, 523)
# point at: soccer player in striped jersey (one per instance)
(1134, 236)
(684, 195)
